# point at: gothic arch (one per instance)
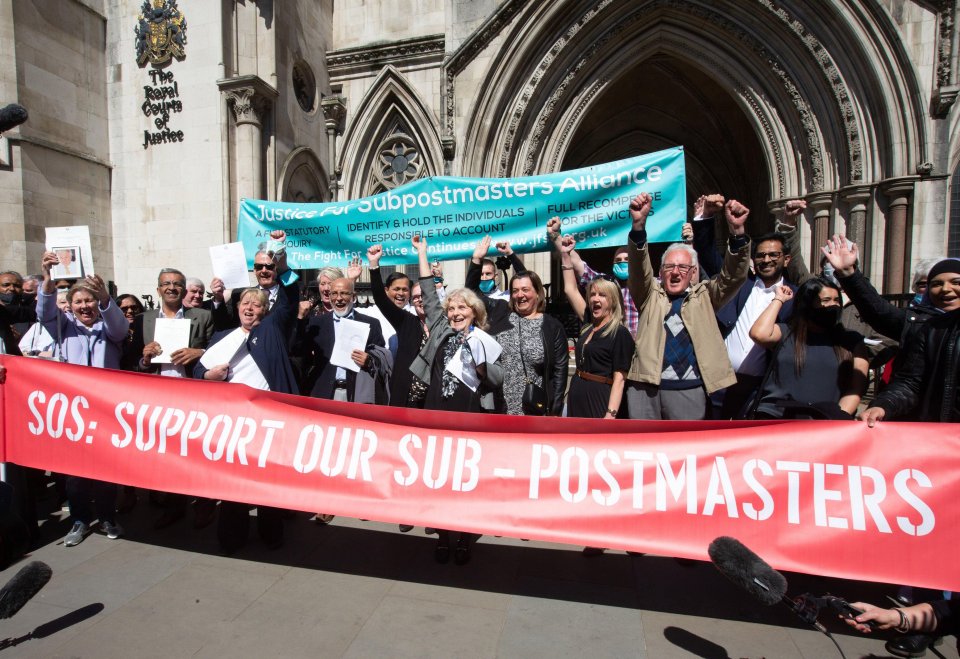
(392, 123)
(808, 107)
(302, 178)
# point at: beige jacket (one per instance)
(698, 313)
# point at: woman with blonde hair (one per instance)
(455, 334)
(604, 348)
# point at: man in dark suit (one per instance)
(333, 382)
(171, 288)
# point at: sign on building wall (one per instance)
(161, 35)
(454, 213)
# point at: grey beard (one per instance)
(344, 313)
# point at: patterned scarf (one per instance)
(450, 380)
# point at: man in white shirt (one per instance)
(171, 288)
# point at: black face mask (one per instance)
(9, 298)
(825, 317)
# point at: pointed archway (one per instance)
(392, 139)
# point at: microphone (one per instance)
(747, 570)
(11, 116)
(750, 572)
(24, 585)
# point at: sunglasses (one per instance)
(264, 266)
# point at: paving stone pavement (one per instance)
(363, 589)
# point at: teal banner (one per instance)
(454, 213)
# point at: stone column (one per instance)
(334, 114)
(250, 100)
(821, 204)
(856, 198)
(896, 252)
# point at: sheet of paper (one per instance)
(484, 347)
(466, 375)
(223, 350)
(230, 265)
(79, 263)
(172, 334)
(351, 336)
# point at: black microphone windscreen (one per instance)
(11, 116)
(22, 586)
(747, 570)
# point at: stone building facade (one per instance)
(846, 103)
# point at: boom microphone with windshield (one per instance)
(12, 116)
(22, 586)
(750, 572)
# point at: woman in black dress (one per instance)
(605, 347)
(818, 369)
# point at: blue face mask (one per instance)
(621, 270)
(487, 286)
(918, 298)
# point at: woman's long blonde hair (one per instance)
(612, 292)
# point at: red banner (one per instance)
(831, 498)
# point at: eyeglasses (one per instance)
(416, 297)
(129, 309)
(682, 268)
(264, 266)
(171, 284)
(759, 256)
(346, 294)
(922, 283)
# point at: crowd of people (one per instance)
(726, 327)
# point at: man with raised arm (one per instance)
(680, 358)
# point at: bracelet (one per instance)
(904, 625)
(776, 299)
(612, 413)
(566, 267)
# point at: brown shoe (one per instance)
(321, 518)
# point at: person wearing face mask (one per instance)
(488, 272)
(680, 358)
(452, 329)
(585, 274)
(391, 299)
(37, 342)
(498, 308)
(16, 313)
(818, 369)
(90, 333)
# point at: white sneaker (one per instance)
(76, 535)
(113, 531)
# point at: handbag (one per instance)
(534, 401)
